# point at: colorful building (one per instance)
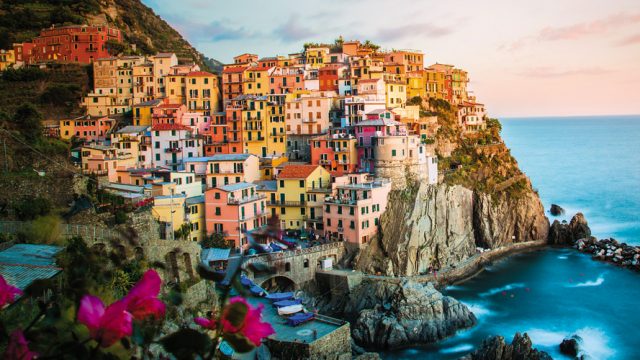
(7, 59)
(74, 43)
(232, 82)
(299, 196)
(235, 210)
(336, 152)
(172, 143)
(143, 112)
(352, 212)
(202, 92)
(257, 80)
(88, 128)
(131, 147)
(225, 169)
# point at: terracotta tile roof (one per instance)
(296, 171)
(369, 80)
(169, 106)
(200, 73)
(234, 69)
(165, 127)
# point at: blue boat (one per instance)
(280, 296)
(257, 290)
(299, 318)
(245, 281)
(283, 303)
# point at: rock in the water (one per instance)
(568, 234)
(556, 210)
(495, 348)
(392, 315)
(571, 346)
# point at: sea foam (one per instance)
(501, 289)
(589, 283)
(457, 349)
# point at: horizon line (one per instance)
(560, 116)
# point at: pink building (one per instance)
(309, 113)
(92, 128)
(286, 80)
(167, 113)
(234, 210)
(352, 213)
(336, 152)
(200, 123)
(368, 129)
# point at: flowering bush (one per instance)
(90, 319)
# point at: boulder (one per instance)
(391, 315)
(568, 234)
(571, 346)
(495, 348)
(556, 210)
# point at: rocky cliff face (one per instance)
(441, 225)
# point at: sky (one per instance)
(524, 58)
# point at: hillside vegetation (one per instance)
(21, 20)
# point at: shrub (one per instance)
(61, 94)
(23, 74)
(43, 230)
(30, 207)
(121, 217)
(216, 240)
(27, 119)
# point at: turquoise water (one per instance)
(588, 164)
(549, 294)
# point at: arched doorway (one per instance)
(279, 284)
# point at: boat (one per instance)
(280, 296)
(299, 318)
(257, 290)
(284, 303)
(291, 309)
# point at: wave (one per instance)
(589, 283)
(545, 337)
(595, 343)
(457, 349)
(563, 257)
(455, 287)
(501, 289)
(479, 310)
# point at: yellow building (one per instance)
(395, 91)
(202, 92)
(434, 83)
(299, 196)
(269, 166)
(67, 129)
(256, 80)
(416, 84)
(276, 139)
(194, 209)
(263, 127)
(170, 210)
(316, 57)
(7, 59)
(176, 87)
(142, 113)
(143, 83)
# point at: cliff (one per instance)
(483, 201)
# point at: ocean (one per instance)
(587, 164)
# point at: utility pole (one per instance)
(173, 234)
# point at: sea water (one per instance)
(588, 164)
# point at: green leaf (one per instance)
(186, 343)
(238, 342)
(235, 313)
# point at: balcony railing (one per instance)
(325, 162)
(244, 200)
(319, 189)
(256, 139)
(286, 203)
(173, 150)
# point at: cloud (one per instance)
(585, 29)
(576, 31)
(292, 30)
(219, 31)
(631, 40)
(551, 72)
(411, 30)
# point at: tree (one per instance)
(416, 100)
(216, 240)
(27, 119)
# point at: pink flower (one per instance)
(106, 326)
(18, 348)
(142, 300)
(251, 327)
(7, 292)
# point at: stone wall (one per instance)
(300, 265)
(200, 292)
(333, 346)
(398, 172)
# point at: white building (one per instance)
(172, 144)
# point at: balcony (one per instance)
(326, 189)
(255, 140)
(173, 149)
(244, 200)
(256, 215)
(309, 121)
(340, 229)
(253, 128)
(287, 203)
(325, 162)
(222, 172)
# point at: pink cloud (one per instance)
(631, 40)
(551, 72)
(581, 30)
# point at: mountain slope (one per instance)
(21, 20)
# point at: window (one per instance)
(216, 196)
(327, 209)
(281, 183)
(301, 183)
(393, 152)
(217, 211)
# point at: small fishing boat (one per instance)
(284, 303)
(299, 318)
(280, 296)
(291, 309)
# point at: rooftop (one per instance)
(230, 157)
(297, 171)
(195, 200)
(268, 185)
(200, 73)
(237, 186)
(166, 127)
(153, 102)
(23, 264)
(130, 129)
